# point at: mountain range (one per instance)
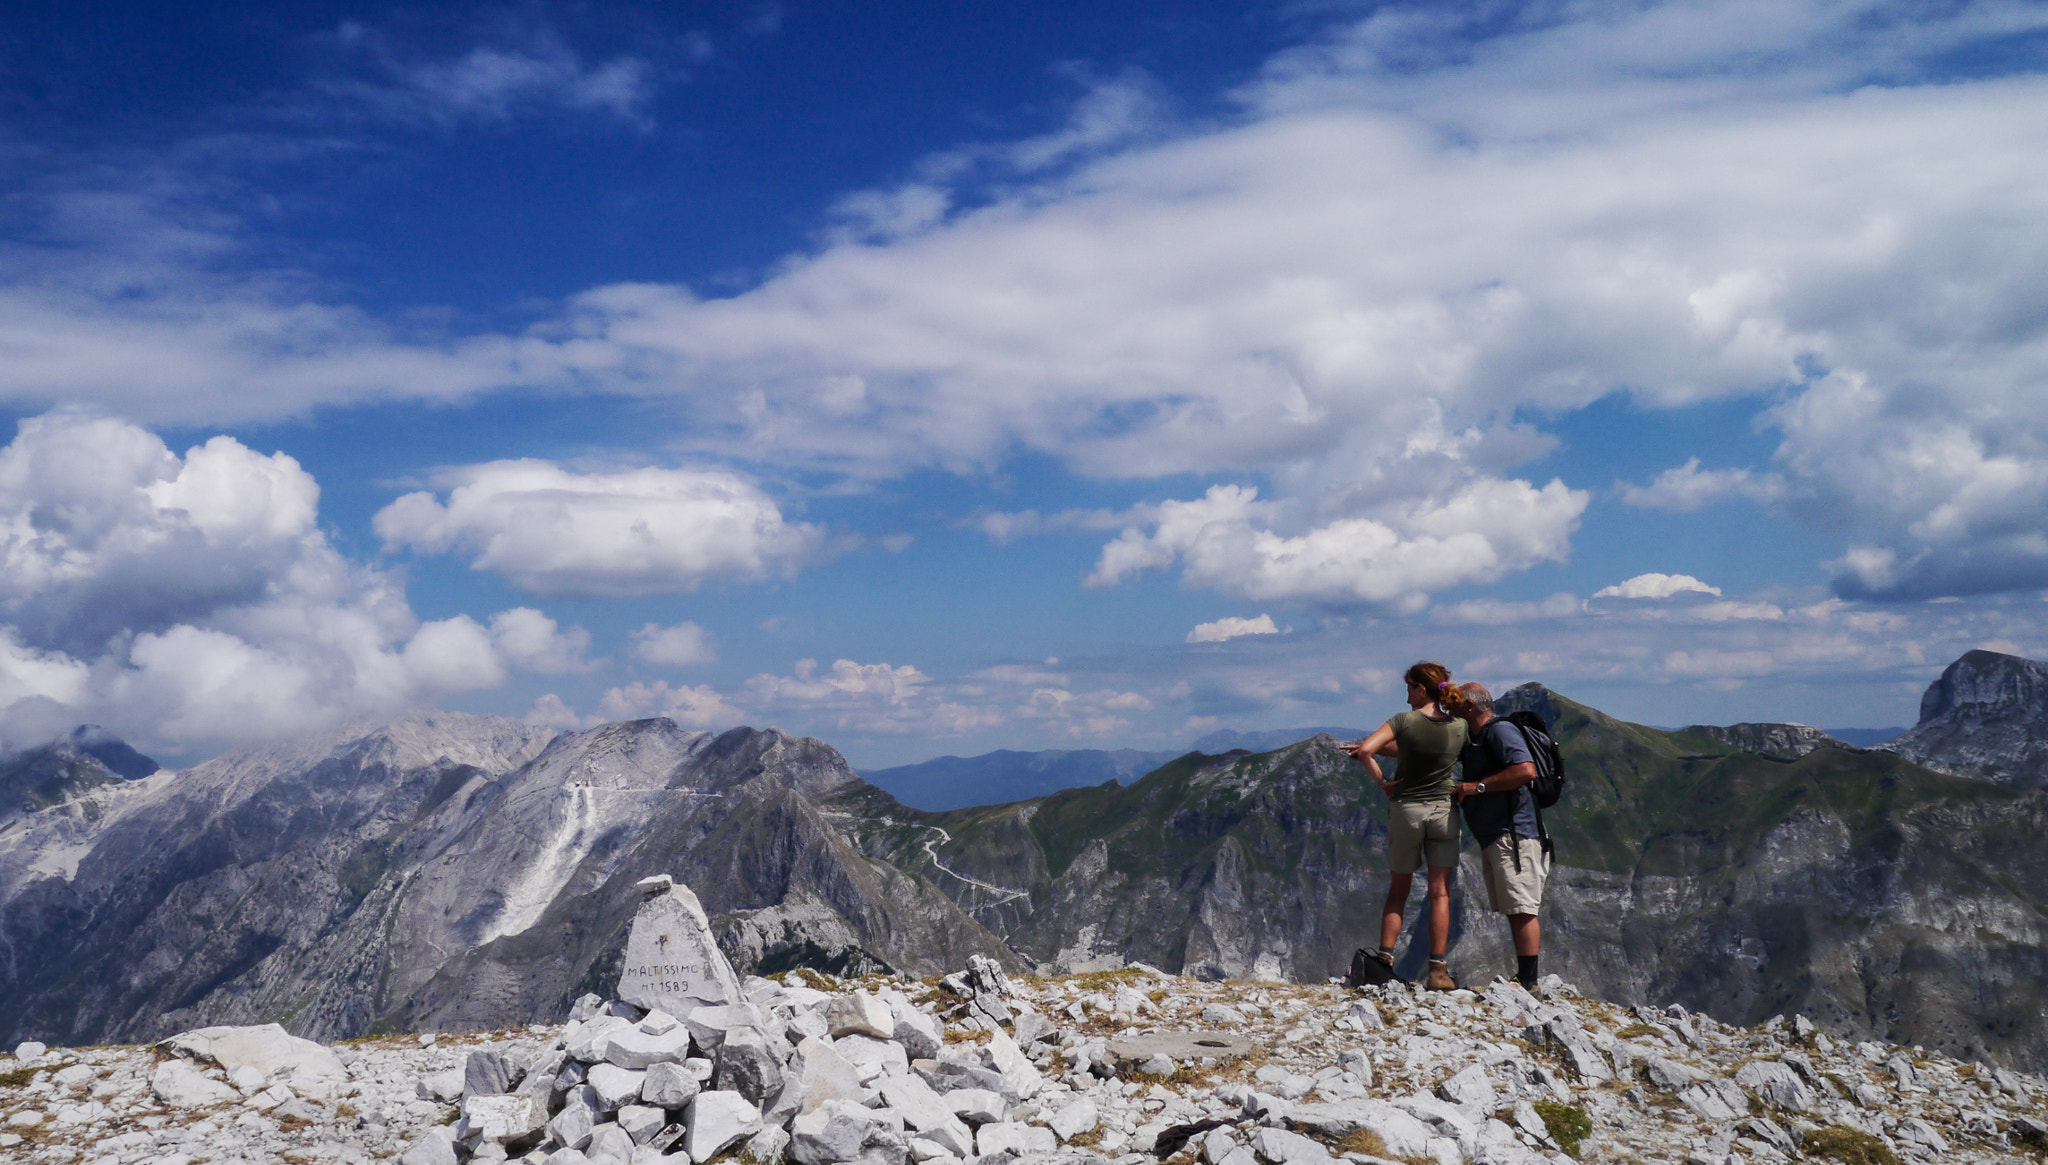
(452, 871)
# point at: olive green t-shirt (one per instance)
(1429, 748)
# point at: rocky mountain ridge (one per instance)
(455, 870)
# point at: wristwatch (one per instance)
(1480, 787)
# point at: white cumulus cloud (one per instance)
(682, 645)
(1655, 586)
(1226, 541)
(628, 533)
(1231, 627)
(1687, 487)
(190, 602)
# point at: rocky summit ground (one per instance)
(1127, 1067)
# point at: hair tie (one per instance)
(1440, 687)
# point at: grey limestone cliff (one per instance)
(1987, 718)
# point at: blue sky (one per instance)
(938, 380)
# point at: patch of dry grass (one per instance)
(1362, 1141)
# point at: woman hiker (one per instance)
(1421, 825)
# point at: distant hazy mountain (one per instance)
(996, 778)
(1006, 775)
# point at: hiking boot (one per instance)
(1440, 978)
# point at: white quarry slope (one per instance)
(1070, 1072)
(442, 870)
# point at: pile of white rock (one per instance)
(819, 1077)
(1129, 1066)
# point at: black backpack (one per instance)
(1548, 787)
(1367, 970)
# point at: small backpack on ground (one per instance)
(1367, 970)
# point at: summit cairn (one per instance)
(672, 961)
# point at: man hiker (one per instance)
(1500, 810)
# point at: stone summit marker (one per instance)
(672, 963)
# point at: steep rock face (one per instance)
(443, 871)
(1987, 718)
(1239, 865)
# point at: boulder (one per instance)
(1284, 1148)
(1362, 1012)
(926, 1113)
(1775, 1084)
(1001, 1054)
(1403, 1134)
(917, 1032)
(976, 1106)
(770, 1145)
(1014, 1137)
(615, 1086)
(541, 1070)
(488, 1072)
(749, 1065)
(859, 1013)
(1356, 1062)
(30, 1050)
(502, 1118)
(1032, 1028)
(668, 1085)
(180, 1085)
(267, 1047)
(707, 1025)
(636, 1047)
(591, 1037)
(819, 1073)
(609, 1145)
(672, 961)
(1471, 1088)
(1073, 1119)
(440, 1087)
(717, 1119)
(572, 1126)
(867, 1052)
(1706, 1101)
(436, 1146)
(842, 1133)
(950, 1072)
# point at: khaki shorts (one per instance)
(1419, 829)
(1512, 891)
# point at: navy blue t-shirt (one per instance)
(1498, 746)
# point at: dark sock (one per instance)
(1525, 970)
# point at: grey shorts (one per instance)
(1419, 829)
(1509, 890)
